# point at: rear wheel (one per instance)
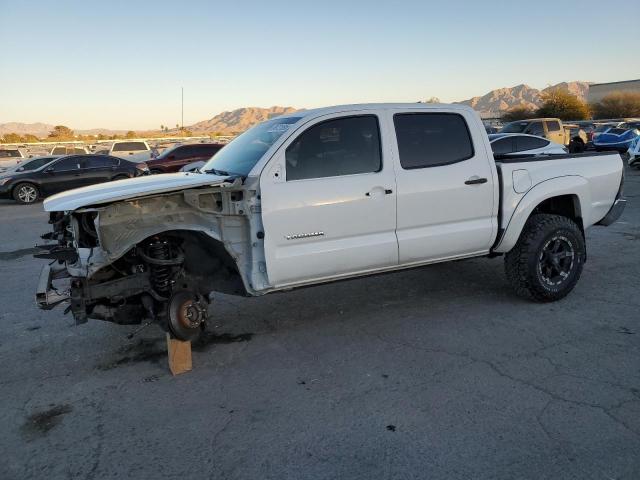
(547, 261)
(25, 193)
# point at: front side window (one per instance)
(432, 139)
(65, 164)
(553, 126)
(536, 128)
(514, 127)
(344, 146)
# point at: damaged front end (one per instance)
(153, 259)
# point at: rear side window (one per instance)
(502, 146)
(529, 143)
(10, 154)
(432, 139)
(553, 126)
(99, 161)
(128, 146)
(345, 146)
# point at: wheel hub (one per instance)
(187, 314)
(27, 194)
(556, 260)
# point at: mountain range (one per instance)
(492, 104)
(498, 101)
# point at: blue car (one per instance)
(618, 139)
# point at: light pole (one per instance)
(182, 116)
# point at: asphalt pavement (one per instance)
(434, 373)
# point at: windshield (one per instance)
(240, 156)
(514, 127)
(34, 164)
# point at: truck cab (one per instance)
(324, 195)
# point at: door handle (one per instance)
(475, 181)
(374, 191)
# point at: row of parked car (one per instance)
(71, 167)
(39, 177)
(575, 137)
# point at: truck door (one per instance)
(329, 201)
(447, 187)
(554, 132)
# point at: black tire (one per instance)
(548, 244)
(119, 177)
(26, 193)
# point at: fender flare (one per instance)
(574, 185)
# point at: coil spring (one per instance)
(160, 274)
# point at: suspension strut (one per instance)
(162, 256)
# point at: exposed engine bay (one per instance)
(153, 259)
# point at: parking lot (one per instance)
(437, 372)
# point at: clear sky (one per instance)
(120, 64)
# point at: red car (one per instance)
(174, 158)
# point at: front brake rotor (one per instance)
(187, 315)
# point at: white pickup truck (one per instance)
(318, 196)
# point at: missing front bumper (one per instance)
(48, 296)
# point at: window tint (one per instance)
(502, 146)
(99, 161)
(68, 163)
(59, 151)
(36, 163)
(207, 150)
(553, 126)
(535, 128)
(344, 146)
(431, 139)
(514, 127)
(127, 146)
(10, 154)
(529, 143)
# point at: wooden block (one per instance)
(179, 353)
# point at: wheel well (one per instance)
(564, 205)
(208, 262)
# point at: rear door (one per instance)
(447, 190)
(98, 168)
(329, 201)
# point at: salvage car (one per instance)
(9, 158)
(570, 135)
(66, 172)
(318, 196)
(618, 139)
(173, 159)
(512, 144)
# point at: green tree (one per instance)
(432, 100)
(563, 105)
(31, 138)
(12, 138)
(617, 105)
(61, 132)
(519, 112)
(131, 134)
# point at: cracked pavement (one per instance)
(432, 373)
